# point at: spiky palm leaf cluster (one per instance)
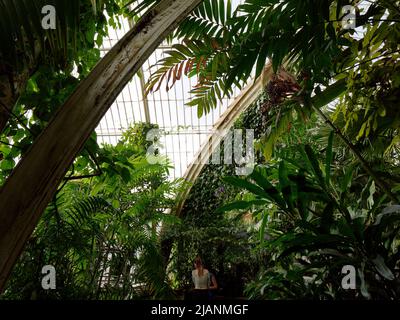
(206, 36)
(225, 47)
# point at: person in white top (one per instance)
(203, 280)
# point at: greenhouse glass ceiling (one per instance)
(183, 131)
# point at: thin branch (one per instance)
(363, 162)
(366, 61)
(18, 119)
(11, 145)
(83, 177)
(93, 157)
(366, 20)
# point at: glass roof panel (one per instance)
(185, 131)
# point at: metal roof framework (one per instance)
(184, 132)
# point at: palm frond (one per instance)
(212, 18)
(189, 58)
(207, 59)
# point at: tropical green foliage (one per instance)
(25, 41)
(319, 210)
(226, 242)
(63, 59)
(325, 193)
(224, 47)
(318, 214)
(207, 37)
(102, 233)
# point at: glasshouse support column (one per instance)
(34, 181)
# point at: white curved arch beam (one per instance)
(34, 181)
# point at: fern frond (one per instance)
(83, 210)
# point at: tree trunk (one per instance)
(34, 181)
